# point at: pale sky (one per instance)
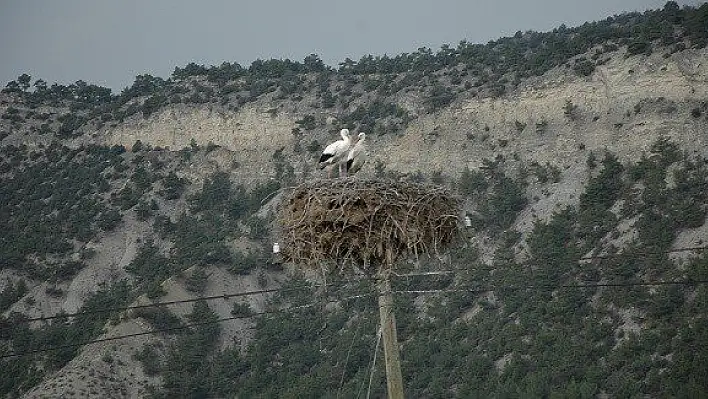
(108, 42)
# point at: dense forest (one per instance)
(586, 311)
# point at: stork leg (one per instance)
(342, 170)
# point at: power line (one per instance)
(406, 275)
(265, 291)
(346, 360)
(419, 292)
(373, 364)
(433, 273)
(590, 257)
(182, 327)
(118, 337)
(167, 303)
(155, 304)
(644, 253)
(415, 274)
(553, 287)
(475, 289)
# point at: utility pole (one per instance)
(394, 379)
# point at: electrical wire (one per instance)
(119, 337)
(346, 360)
(167, 303)
(182, 327)
(585, 258)
(155, 304)
(373, 362)
(554, 287)
(644, 253)
(319, 303)
(405, 275)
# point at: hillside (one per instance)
(580, 155)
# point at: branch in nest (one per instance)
(371, 223)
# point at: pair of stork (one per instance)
(348, 156)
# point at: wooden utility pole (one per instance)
(394, 379)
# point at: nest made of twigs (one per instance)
(368, 222)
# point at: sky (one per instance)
(109, 42)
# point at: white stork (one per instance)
(357, 155)
(336, 153)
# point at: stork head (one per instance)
(344, 133)
(361, 136)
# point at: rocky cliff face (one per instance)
(623, 106)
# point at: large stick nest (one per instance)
(370, 223)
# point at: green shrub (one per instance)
(241, 310)
(160, 318)
(150, 359)
(583, 67)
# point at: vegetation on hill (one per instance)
(366, 92)
(16, 336)
(57, 200)
(539, 320)
(53, 198)
(544, 327)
